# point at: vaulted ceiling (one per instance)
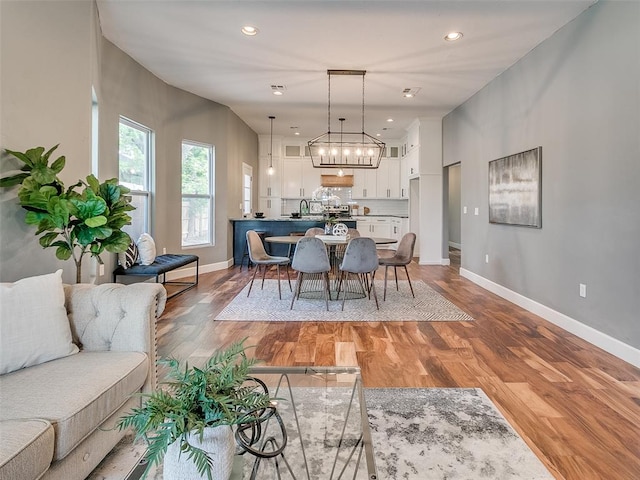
(198, 46)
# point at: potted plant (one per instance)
(86, 218)
(188, 422)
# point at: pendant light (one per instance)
(348, 149)
(270, 170)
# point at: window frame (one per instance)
(210, 195)
(146, 194)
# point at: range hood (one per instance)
(336, 181)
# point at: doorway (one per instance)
(453, 212)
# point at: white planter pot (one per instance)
(219, 444)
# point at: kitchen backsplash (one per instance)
(376, 207)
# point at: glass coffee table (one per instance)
(320, 432)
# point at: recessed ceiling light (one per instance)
(278, 89)
(389, 120)
(453, 36)
(378, 134)
(249, 30)
(410, 92)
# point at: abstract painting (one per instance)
(515, 189)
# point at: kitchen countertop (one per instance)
(315, 218)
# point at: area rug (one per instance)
(443, 433)
(264, 305)
(417, 433)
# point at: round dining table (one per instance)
(293, 239)
(314, 285)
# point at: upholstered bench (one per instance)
(160, 266)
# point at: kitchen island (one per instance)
(274, 227)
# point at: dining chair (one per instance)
(360, 258)
(402, 258)
(313, 231)
(260, 258)
(311, 257)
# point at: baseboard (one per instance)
(609, 344)
(442, 261)
(191, 271)
(455, 245)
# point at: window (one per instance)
(197, 194)
(134, 172)
(247, 180)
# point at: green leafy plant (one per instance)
(193, 399)
(86, 218)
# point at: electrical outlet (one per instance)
(583, 290)
(476, 211)
(464, 210)
(101, 269)
(486, 258)
(164, 250)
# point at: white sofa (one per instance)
(57, 417)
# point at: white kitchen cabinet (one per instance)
(299, 178)
(404, 178)
(270, 206)
(270, 185)
(365, 183)
(374, 226)
(388, 178)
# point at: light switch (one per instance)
(583, 290)
(476, 211)
(464, 209)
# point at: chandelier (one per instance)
(345, 149)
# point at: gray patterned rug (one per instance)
(264, 305)
(417, 433)
(446, 433)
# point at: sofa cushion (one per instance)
(26, 449)
(75, 394)
(34, 327)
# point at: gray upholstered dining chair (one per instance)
(402, 258)
(261, 259)
(311, 257)
(360, 258)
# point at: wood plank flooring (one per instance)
(576, 406)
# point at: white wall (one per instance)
(578, 96)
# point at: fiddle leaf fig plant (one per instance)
(85, 218)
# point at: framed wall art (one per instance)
(515, 189)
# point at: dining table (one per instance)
(336, 245)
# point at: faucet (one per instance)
(306, 207)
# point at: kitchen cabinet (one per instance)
(299, 178)
(365, 183)
(374, 226)
(388, 178)
(269, 185)
(270, 206)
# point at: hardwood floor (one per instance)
(576, 406)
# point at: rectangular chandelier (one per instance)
(345, 149)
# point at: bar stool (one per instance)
(292, 246)
(262, 234)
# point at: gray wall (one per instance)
(51, 72)
(45, 99)
(577, 95)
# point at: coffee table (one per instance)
(327, 430)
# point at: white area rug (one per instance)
(264, 305)
(417, 433)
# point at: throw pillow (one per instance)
(147, 249)
(34, 327)
(129, 257)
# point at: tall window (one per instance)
(247, 180)
(134, 165)
(197, 194)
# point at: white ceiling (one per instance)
(197, 46)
